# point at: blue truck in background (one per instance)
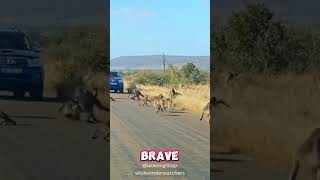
(21, 70)
(116, 82)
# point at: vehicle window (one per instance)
(9, 40)
(114, 74)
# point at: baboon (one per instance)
(307, 157)
(6, 120)
(138, 94)
(144, 101)
(213, 103)
(132, 96)
(158, 103)
(173, 94)
(87, 101)
(135, 95)
(169, 103)
(206, 112)
(103, 130)
(230, 77)
(66, 90)
(71, 109)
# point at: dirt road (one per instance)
(45, 147)
(134, 127)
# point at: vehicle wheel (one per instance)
(19, 94)
(36, 95)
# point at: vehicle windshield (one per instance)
(10, 40)
(114, 74)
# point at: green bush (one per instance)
(77, 51)
(253, 40)
(187, 74)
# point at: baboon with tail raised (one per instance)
(307, 158)
(210, 107)
(172, 95)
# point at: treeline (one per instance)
(173, 76)
(73, 52)
(254, 40)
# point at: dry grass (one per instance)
(193, 98)
(270, 117)
(52, 77)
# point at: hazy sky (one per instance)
(148, 27)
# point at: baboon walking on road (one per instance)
(83, 100)
(87, 101)
(158, 103)
(136, 95)
(144, 101)
(172, 94)
(213, 103)
(6, 120)
(71, 109)
(104, 131)
(307, 158)
(169, 103)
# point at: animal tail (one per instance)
(7, 118)
(295, 170)
(201, 117)
(101, 106)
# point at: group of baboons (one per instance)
(160, 102)
(81, 99)
(76, 100)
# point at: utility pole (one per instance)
(164, 63)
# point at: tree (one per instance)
(190, 73)
(255, 41)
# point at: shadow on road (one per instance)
(170, 115)
(45, 99)
(227, 160)
(178, 112)
(34, 117)
(23, 124)
(121, 98)
(217, 171)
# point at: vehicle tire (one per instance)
(19, 94)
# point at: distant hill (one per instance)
(154, 62)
